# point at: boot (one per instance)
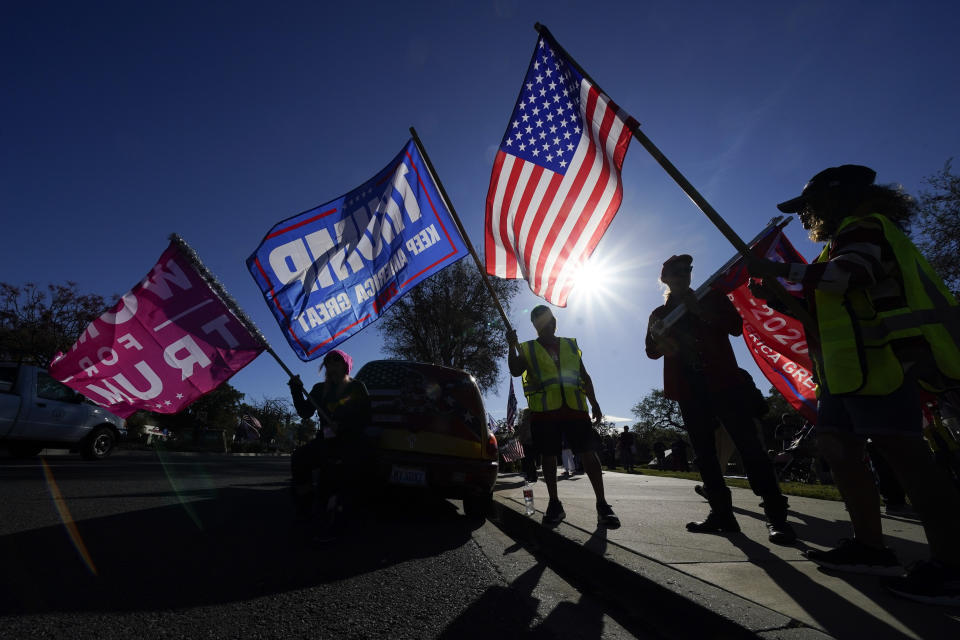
(779, 530)
(716, 522)
(720, 519)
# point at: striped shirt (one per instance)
(859, 257)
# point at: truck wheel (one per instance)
(477, 507)
(99, 444)
(23, 450)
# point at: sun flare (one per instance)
(595, 281)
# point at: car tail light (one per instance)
(491, 446)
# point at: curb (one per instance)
(671, 602)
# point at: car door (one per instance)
(9, 398)
(54, 414)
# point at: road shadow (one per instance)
(515, 611)
(236, 545)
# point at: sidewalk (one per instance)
(710, 586)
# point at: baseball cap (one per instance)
(846, 176)
(682, 261)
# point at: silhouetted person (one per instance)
(626, 442)
(558, 388)
(660, 451)
(678, 453)
(345, 412)
(700, 372)
(884, 323)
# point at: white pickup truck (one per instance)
(37, 411)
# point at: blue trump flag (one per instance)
(331, 271)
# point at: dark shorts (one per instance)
(895, 414)
(550, 429)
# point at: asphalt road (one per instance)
(146, 546)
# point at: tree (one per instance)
(450, 319)
(659, 419)
(219, 409)
(656, 411)
(275, 415)
(36, 324)
(606, 428)
(936, 226)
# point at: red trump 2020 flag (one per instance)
(776, 340)
(171, 339)
(555, 185)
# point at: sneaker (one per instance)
(779, 531)
(715, 523)
(554, 513)
(853, 557)
(928, 582)
(700, 492)
(606, 517)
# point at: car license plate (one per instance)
(406, 475)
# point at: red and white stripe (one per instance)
(543, 226)
(512, 450)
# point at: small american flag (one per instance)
(511, 406)
(555, 185)
(512, 450)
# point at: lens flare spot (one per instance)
(66, 518)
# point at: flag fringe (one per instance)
(217, 287)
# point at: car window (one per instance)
(50, 389)
(416, 390)
(8, 378)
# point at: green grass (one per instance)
(819, 491)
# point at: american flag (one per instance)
(512, 450)
(511, 406)
(555, 185)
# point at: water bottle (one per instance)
(528, 498)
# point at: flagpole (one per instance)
(795, 307)
(777, 222)
(463, 233)
(221, 292)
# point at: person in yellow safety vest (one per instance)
(558, 388)
(885, 326)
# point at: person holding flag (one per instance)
(343, 407)
(557, 387)
(702, 375)
(884, 325)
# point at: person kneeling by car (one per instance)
(345, 411)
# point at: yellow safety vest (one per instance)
(857, 355)
(547, 386)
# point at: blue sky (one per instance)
(122, 122)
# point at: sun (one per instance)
(604, 287)
(595, 281)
